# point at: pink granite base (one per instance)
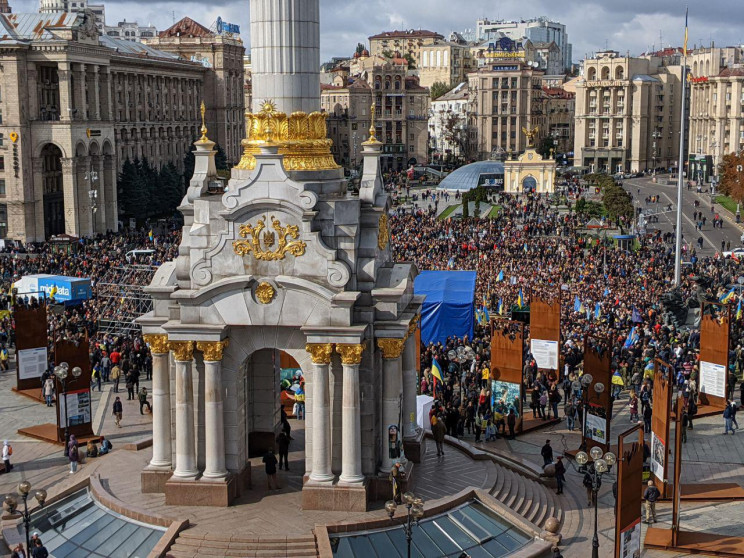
(334, 497)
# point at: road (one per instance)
(712, 238)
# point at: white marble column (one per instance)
(185, 446)
(214, 423)
(321, 355)
(392, 390)
(351, 420)
(410, 381)
(162, 456)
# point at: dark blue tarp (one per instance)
(448, 309)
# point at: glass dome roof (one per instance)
(468, 177)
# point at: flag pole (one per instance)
(680, 168)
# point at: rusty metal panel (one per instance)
(30, 333)
(597, 362)
(507, 351)
(74, 354)
(662, 410)
(629, 483)
(715, 327)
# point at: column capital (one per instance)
(391, 348)
(320, 352)
(412, 326)
(351, 354)
(212, 350)
(183, 350)
(158, 343)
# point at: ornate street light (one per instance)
(62, 371)
(414, 512)
(601, 464)
(10, 505)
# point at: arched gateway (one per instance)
(282, 259)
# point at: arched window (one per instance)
(439, 59)
(591, 74)
(619, 72)
(605, 72)
(446, 58)
(425, 61)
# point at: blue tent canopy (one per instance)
(449, 306)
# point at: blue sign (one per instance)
(65, 289)
(505, 68)
(225, 27)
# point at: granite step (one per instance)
(201, 545)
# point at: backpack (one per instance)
(10, 449)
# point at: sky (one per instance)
(592, 25)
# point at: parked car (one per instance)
(738, 252)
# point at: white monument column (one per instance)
(162, 456)
(285, 54)
(185, 442)
(351, 420)
(214, 424)
(410, 381)
(392, 390)
(321, 355)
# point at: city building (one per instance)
(559, 113)
(716, 108)
(222, 55)
(75, 7)
(404, 42)
(348, 105)
(130, 31)
(506, 97)
(75, 105)
(247, 82)
(448, 125)
(628, 112)
(444, 61)
(537, 30)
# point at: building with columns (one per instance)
(75, 105)
(283, 260)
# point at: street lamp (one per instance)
(91, 178)
(61, 371)
(460, 356)
(656, 135)
(414, 512)
(10, 504)
(601, 465)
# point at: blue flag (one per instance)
(631, 338)
(597, 311)
(637, 319)
(501, 276)
(577, 304)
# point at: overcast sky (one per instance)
(592, 24)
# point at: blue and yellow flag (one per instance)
(436, 370)
(597, 311)
(150, 235)
(520, 299)
(738, 311)
(501, 276)
(684, 49)
(501, 307)
(728, 296)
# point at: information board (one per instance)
(630, 541)
(658, 456)
(712, 379)
(32, 363)
(77, 406)
(545, 353)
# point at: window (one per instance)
(2, 186)
(2, 163)
(2, 139)
(410, 149)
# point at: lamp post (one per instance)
(91, 177)
(460, 356)
(10, 504)
(601, 465)
(656, 135)
(61, 371)
(414, 512)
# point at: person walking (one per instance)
(438, 430)
(727, 421)
(96, 377)
(143, 401)
(547, 453)
(633, 406)
(511, 422)
(269, 460)
(115, 376)
(7, 452)
(130, 386)
(283, 443)
(48, 391)
(647, 419)
(74, 456)
(39, 550)
(570, 411)
(105, 368)
(650, 497)
(117, 410)
(560, 474)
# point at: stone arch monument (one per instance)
(281, 258)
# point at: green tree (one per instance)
(411, 60)
(544, 149)
(220, 159)
(439, 88)
(360, 48)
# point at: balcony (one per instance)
(416, 117)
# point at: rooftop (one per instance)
(408, 34)
(468, 177)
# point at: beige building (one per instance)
(74, 106)
(627, 112)
(716, 107)
(348, 105)
(559, 112)
(444, 61)
(506, 96)
(222, 56)
(404, 42)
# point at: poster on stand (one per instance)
(630, 541)
(658, 456)
(505, 396)
(32, 363)
(545, 353)
(77, 406)
(596, 424)
(712, 379)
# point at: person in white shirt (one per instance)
(7, 451)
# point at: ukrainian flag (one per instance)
(501, 276)
(150, 235)
(436, 371)
(520, 299)
(597, 311)
(738, 311)
(501, 307)
(728, 296)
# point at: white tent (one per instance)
(423, 406)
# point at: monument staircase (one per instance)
(197, 545)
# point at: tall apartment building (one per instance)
(506, 96)
(537, 30)
(75, 7)
(444, 61)
(74, 106)
(716, 108)
(222, 55)
(348, 104)
(404, 42)
(627, 112)
(558, 116)
(448, 124)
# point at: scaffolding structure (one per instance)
(123, 299)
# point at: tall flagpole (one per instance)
(680, 168)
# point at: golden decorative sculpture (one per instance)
(383, 236)
(284, 246)
(213, 349)
(158, 344)
(413, 325)
(372, 139)
(204, 137)
(320, 352)
(301, 138)
(530, 135)
(391, 348)
(265, 293)
(350, 354)
(182, 350)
